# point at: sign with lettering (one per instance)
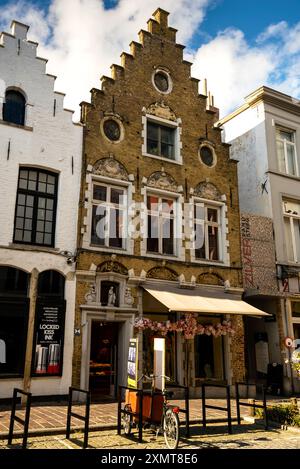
(132, 364)
(49, 339)
(247, 252)
(159, 363)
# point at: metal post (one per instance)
(26, 424)
(228, 409)
(119, 410)
(69, 413)
(265, 407)
(140, 395)
(187, 412)
(87, 419)
(203, 407)
(237, 398)
(12, 417)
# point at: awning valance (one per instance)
(208, 300)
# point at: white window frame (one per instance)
(178, 224)
(285, 142)
(222, 231)
(291, 218)
(86, 230)
(167, 123)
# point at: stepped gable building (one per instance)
(40, 165)
(155, 170)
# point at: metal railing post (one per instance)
(26, 424)
(12, 417)
(140, 396)
(203, 407)
(265, 407)
(237, 399)
(187, 412)
(119, 410)
(68, 429)
(228, 409)
(87, 420)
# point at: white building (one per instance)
(40, 167)
(265, 137)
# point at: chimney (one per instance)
(19, 30)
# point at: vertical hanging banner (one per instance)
(49, 339)
(159, 363)
(132, 365)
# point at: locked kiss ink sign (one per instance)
(49, 339)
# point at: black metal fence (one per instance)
(85, 418)
(254, 405)
(186, 409)
(139, 414)
(226, 409)
(14, 417)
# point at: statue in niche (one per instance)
(111, 297)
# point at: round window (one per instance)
(161, 81)
(112, 130)
(207, 155)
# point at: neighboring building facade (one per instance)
(264, 134)
(151, 150)
(40, 167)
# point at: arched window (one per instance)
(51, 283)
(14, 107)
(14, 309)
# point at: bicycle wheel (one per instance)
(171, 429)
(127, 420)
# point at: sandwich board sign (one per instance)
(159, 363)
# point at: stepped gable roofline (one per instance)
(269, 96)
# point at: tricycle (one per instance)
(157, 412)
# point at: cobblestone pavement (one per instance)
(245, 436)
(105, 414)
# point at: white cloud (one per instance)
(81, 39)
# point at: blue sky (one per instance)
(237, 45)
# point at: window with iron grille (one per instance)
(36, 207)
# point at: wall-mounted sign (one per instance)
(288, 342)
(132, 364)
(49, 339)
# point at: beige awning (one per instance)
(202, 300)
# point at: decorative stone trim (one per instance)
(110, 167)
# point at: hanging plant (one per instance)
(188, 325)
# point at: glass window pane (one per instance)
(152, 203)
(297, 238)
(19, 223)
(290, 150)
(152, 240)
(23, 174)
(48, 239)
(289, 136)
(51, 179)
(42, 202)
(42, 187)
(20, 211)
(23, 183)
(28, 212)
(213, 243)
(28, 224)
(19, 235)
(167, 206)
(116, 228)
(152, 131)
(212, 214)
(50, 189)
(32, 175)
(168, 236)
(49, 215)
(116, 196)
(29, 200)
(41, 214)
(98, 228)
(288, 239)
(167, 135)
(31, 185)
(27, 236)
(42, 177)
(99, 192)
(40, 225)
(199, 241)
(48, 227)
(280, 156)
(199, 212)
(21, 199)
(152, 147)
(39, 237)
(49, 204)
(167, 151)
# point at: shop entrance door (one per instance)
(103, 360)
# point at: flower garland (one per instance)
(188, 325)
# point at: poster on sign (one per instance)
(132, 364)
(159, 363)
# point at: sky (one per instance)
(237, 45)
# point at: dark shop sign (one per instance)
(47, 359)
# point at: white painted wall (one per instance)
(50, 142)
